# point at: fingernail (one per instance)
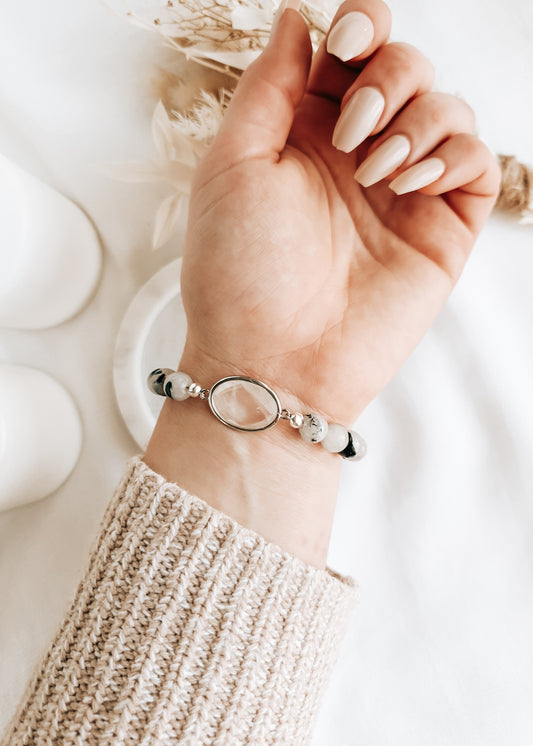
(350, 36)
(383, 161)
(282, 7)
(418, 176)
(358, 119)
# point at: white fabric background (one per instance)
(436, 524)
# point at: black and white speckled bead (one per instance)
(156, 380)
(356, 448)
(314, 428)
(176, 386)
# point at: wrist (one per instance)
(305, 389)
(270, 481)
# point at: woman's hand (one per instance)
(293, 272)
(296, 274)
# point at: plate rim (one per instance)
(146, 305)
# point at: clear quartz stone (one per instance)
(244, 404)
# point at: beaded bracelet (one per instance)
(249, 405)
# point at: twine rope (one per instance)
(516, 190)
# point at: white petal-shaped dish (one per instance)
(151, 335)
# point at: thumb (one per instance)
(260, 115)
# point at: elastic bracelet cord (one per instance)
(250, 405)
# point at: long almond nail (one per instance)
(383, 161)
(358, 118)
(418, 176)
(350, 36)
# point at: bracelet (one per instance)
(250, 405)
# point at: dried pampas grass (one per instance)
(223, 36)
(181, 138)
(226, 35)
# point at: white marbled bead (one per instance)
(356, 448)
(176, 386)
(156, 380)
(314, 428)
(336, 438)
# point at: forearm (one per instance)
(186, 628)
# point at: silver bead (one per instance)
(296, 420)
(194, 389)
(176, 386)
(356, 448)
(314, 428)
(156, 380)
(337, 438)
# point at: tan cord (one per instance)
(516, 191)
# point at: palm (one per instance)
(346, 283)
(292, 272)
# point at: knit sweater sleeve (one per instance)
(186, 628)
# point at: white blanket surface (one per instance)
(436, 524)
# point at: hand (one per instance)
(293, 272)
(296, 274)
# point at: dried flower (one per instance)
(180, 139)
(227, 35)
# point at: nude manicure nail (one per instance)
(418, 176)
(383, 161)
(350, 36)
(358, 118)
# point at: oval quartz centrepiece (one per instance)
(244, 403)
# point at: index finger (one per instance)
(358, 29)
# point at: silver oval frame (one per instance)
(249, 380)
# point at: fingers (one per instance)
(417, 130)
(462, 162)
(426, 140)
(395, 74)
(261, 113)
(359, 28)
(464, 169)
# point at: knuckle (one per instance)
(433, 105)
(402, 57)
(468, 111)
(471, 148)
(444, 110)
(405, 59)
(471, 143)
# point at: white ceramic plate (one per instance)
(151, 335)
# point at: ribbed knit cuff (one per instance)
(187, 628)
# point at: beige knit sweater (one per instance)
(187, 628)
